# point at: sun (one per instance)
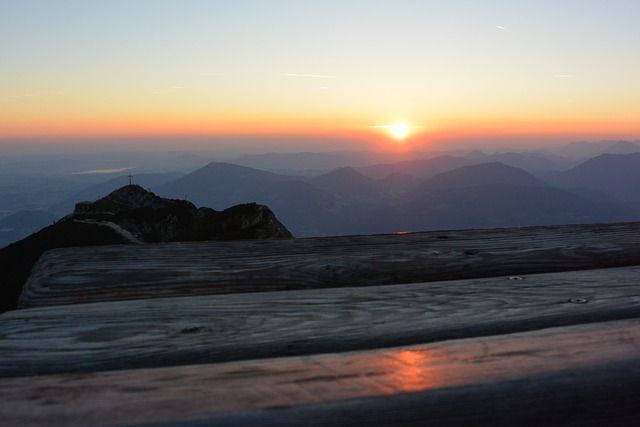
(399, 130)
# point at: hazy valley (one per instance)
(338, 193)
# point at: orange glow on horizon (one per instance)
(440, 134)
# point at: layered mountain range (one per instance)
(444, 192)
(455, 190)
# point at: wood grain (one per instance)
(205, 329)
(68, 276)
(577, 375)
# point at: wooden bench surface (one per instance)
(520, 326)
(577, 375)
(80, 275)
(173, 331)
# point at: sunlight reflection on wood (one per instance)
(412, 370)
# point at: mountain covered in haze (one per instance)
(318, 194)
(480, 175)
(366, 201)
(421, 169)
(615, 174)
(129, 215)
(295, 201)
(487, 195)
(585, 150)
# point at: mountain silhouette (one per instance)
(128, 215)
(93, 192)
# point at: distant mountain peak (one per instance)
(345, 180)
(346, 171)
(482, 174)
(476, 154)
(623, 147)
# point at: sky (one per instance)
(313, 75)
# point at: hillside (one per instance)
(614, 174)
(133, 215)
(349, 201)
(480, 175)
(486, 195)
(422, 169)
(347, 182)
(296, 202)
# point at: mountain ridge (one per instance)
(131, 215)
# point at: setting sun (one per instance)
(399, 130)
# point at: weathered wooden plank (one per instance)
(577, 375)
(145, 271)
(204, 329)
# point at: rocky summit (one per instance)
(128, 215)
(139, 215)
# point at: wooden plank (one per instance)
(204, 329)
(578, 375)
(67, 276)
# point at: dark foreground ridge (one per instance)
(128, 215)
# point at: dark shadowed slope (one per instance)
(132, 215)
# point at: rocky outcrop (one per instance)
(149, 218)
(128, 215)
